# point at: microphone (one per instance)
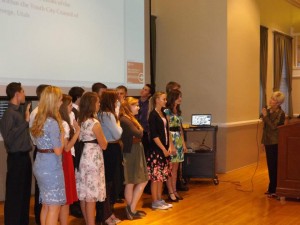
(261, 115)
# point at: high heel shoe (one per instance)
(178, 196)
(128, 212)
(172, 197)
(130, 215)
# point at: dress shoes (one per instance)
(178, 196)
(76, 211)
(119, 200)
(172, 197)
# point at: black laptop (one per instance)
(201, 120)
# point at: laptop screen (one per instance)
(201, 120)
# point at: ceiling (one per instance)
(294, 2)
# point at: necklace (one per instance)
(159, 112)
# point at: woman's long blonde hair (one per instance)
(48, 107)
(126, 111)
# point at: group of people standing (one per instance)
(87, 144)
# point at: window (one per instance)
(3, 107)
(283, 86)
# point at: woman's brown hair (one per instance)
(63, 110)
(108, 102)
(87, 106)
(172, 96)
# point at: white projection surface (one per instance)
(72, 42)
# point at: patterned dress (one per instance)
(90, 177)
(175, 125)
(47, 167)
(157, 164)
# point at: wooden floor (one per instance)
(233, 201)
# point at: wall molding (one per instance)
(239, 123)
(232, 124)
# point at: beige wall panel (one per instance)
(191, 49)
(243, 145)
(243, 60)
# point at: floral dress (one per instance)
(90, 177)
(157, 164)
(175, 125)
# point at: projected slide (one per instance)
(72, 42)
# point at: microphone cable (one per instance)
(238, 183)
(257, 162)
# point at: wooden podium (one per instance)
(288, 175)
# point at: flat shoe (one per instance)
(110, 221)
(272, 195)
(115, 219)
(140, 213)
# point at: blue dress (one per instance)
(47, 167)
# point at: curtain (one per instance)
(289, 70)
(153, 50)
(283, 50)
(263, 64)
(278, 58)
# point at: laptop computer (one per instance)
(201, 120)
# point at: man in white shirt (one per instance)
(76, 94)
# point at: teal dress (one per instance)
(175, 131)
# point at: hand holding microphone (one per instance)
(264, 112)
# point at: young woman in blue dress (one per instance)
(48, 132)
(113, 154)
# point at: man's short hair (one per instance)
(97, 86)
(122, 87)
(151, 88)
(40, 89)
(12, 89)
(75, 93)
